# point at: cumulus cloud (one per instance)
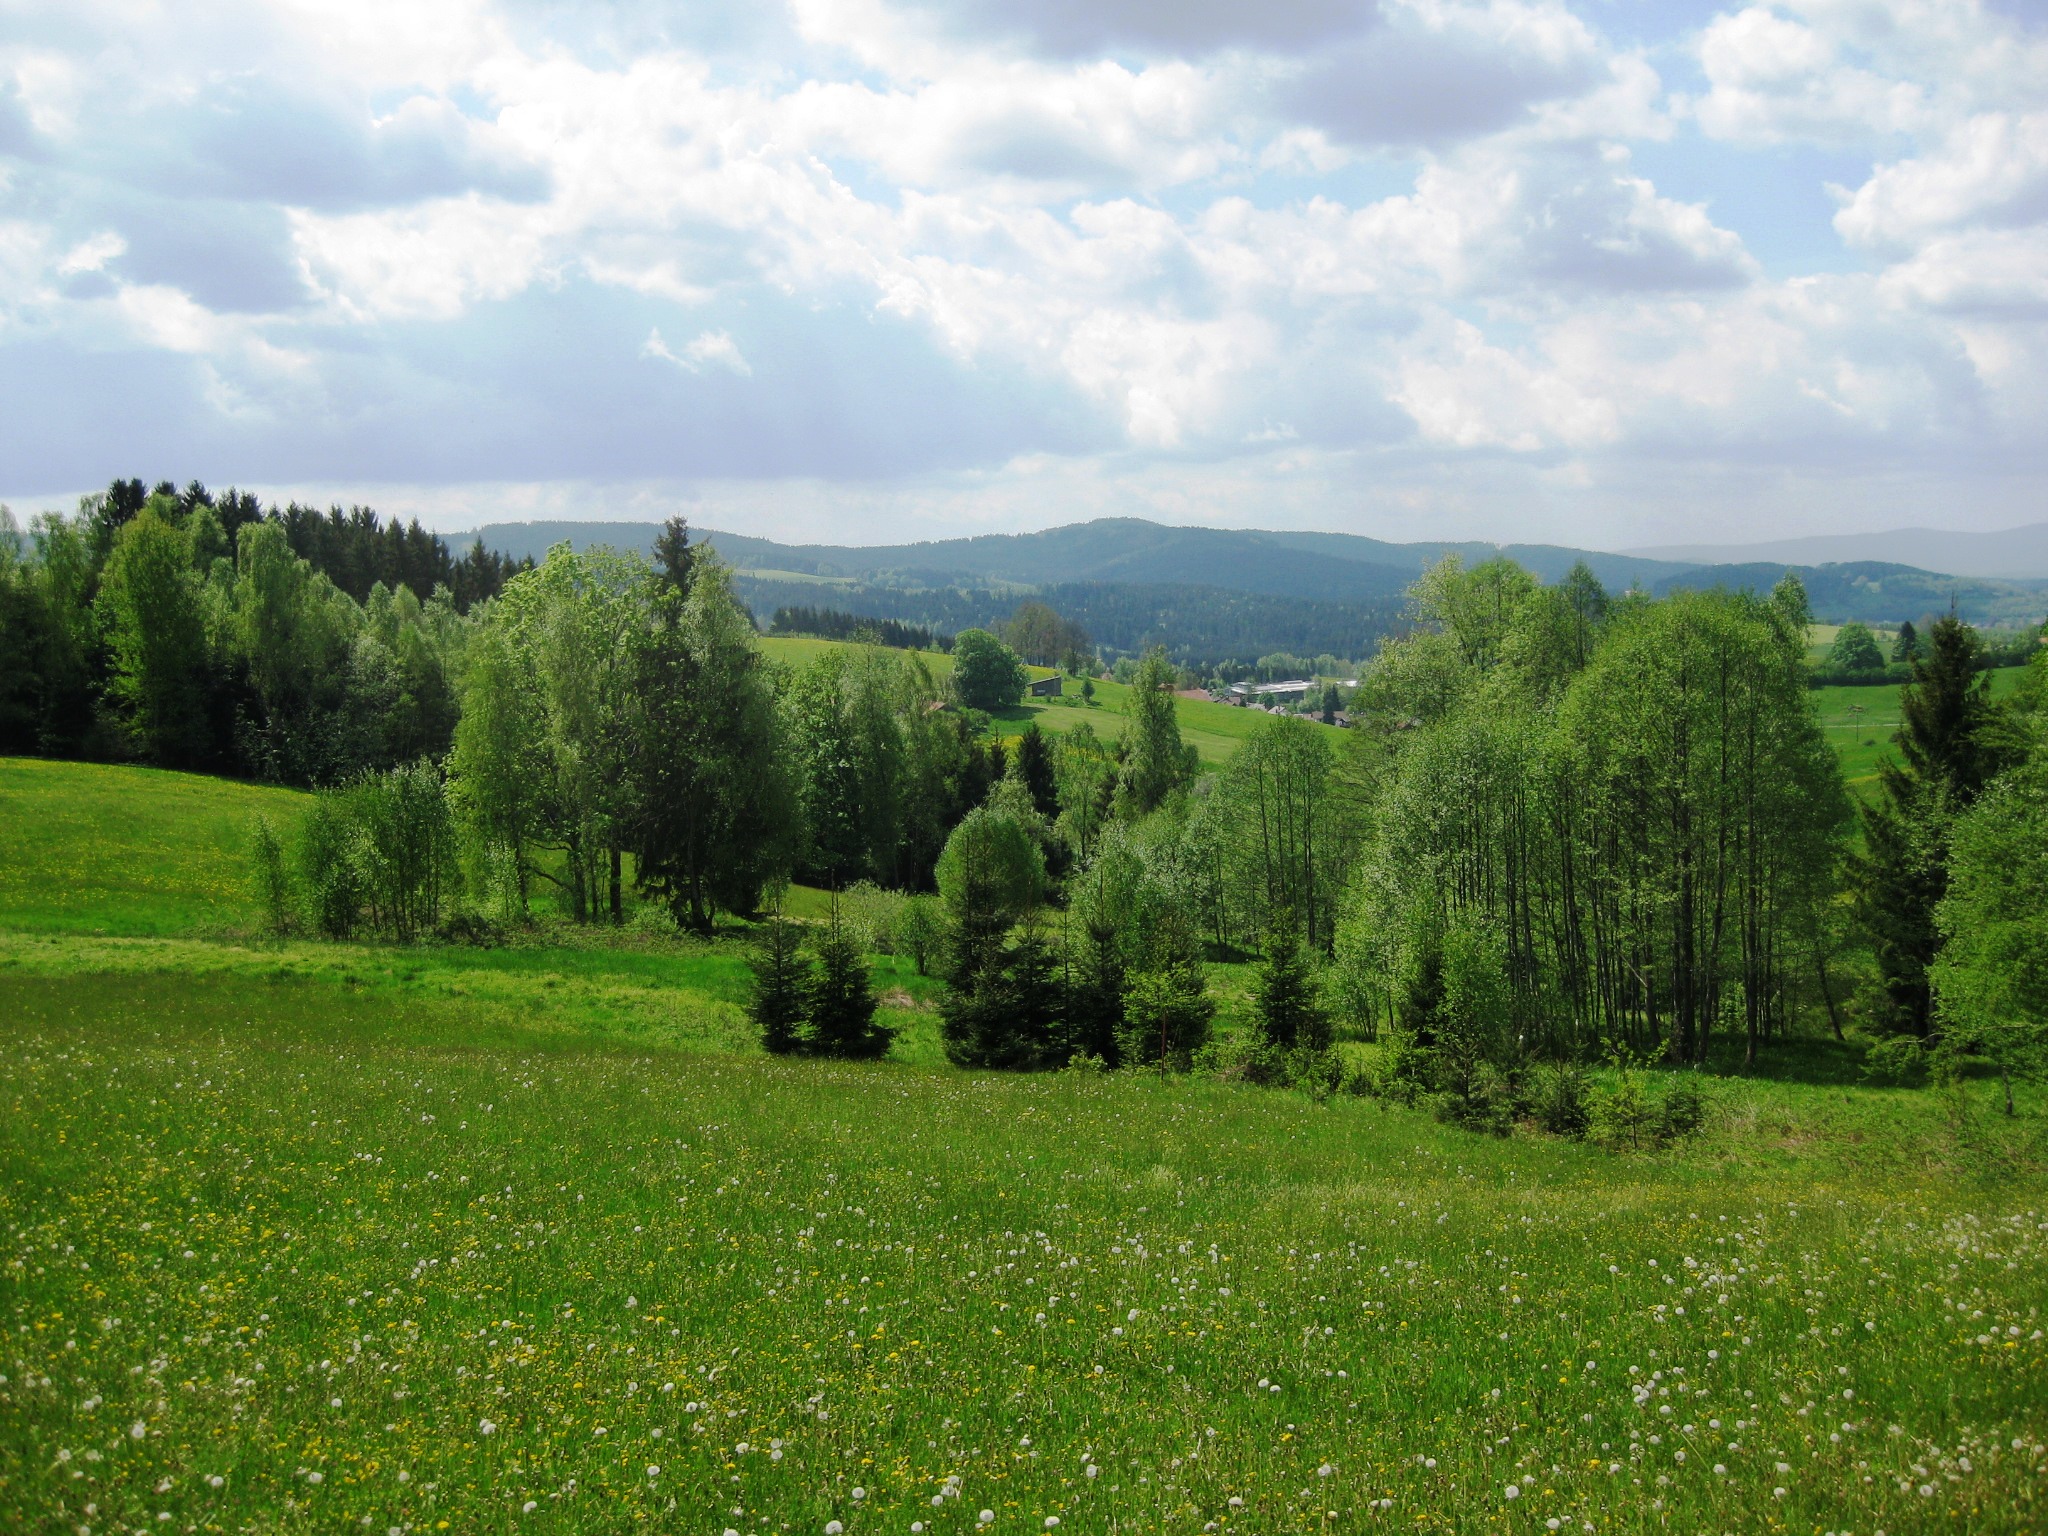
(1394, 254)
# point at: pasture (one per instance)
(305, 1236)
(286, 1254)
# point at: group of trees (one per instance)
(1596, 824)
(832, 624)
(1564, 824)
(1567, 825)
(183, 629)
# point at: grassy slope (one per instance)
(448, 1187)
(417, 1225)
(1214, 730)
(89, 848)
(1859, 723)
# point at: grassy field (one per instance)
(284, 1255)
(96, 849)
(1214, 730)
(311, 1237)
(1859, 723)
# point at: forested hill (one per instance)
(1328, 566)
(1198, 625)
(1368, 575)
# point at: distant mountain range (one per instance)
(2011, 554)
(1140, 582)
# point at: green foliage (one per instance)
(1156, 764)
(273, 883)
(991, 872)
(378, 853)
(1562, 1099)
(1033, 765)
(713, 810)
(1167, 1016)
(1042, 637)
(1624, 1116)
(1286, 847)
(1992, 974)
(920, 931)
(987, 674)
(1948, 745)
(1290, 1015)
(149, 601)
(840, 1006)
(778, 1000)
(331, 859)
(1855, 650)
(1003, 1007)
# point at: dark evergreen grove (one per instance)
(1563, 825)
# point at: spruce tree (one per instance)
(1167, 1014)
(1034, 767)
(1948, 759)
(781, 989)
(1289, 1013)
(842, 1002)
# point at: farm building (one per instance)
(1288, 692)
(1047, 687)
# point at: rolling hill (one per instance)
(1211, 594)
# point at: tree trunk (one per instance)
(618, 903)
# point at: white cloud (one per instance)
(1309, 240)
(712, 349)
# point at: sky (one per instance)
(1595, 272)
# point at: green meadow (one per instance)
(1859, 723)
(316, 1237)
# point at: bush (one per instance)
(1684, 1108)
(1487, 1099)
(920, 931)
(1563, 1100)
(1244, 1057)
(841, 1003)
(869, 914)
(1622, 1115)
(1167, 1015)
(1899, 1060)
(330, 867)
(273, 885)
(781, 987)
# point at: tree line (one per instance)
(1565, 825)
(196, 631)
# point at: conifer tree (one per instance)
(1948, 759)
(842, 1002)
(781, 988)
(1289, 1013)
(1034, 767)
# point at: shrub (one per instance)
(330, 867)
(1167, 1014)
(1486, 1099)
(869, 914)
(1684, 1108)
(273, 885)
(841, 1003)
(1563, 1100)
(1622, 1115)
(920, 931)
(1896, 1059)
